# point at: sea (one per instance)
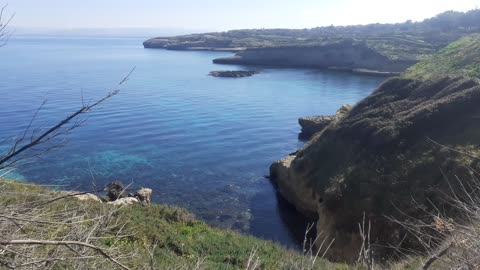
(200, 142)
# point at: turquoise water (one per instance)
(199, 142)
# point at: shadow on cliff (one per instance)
(288, 229)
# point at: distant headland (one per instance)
(378, 49)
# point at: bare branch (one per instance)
(4, 35)
(63, 243)
(17, 151)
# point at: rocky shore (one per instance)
(346, 55)
(116, 194)
(391, 155)
(377, 159)
(376, 49)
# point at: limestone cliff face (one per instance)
(384, 156)
(344, 55)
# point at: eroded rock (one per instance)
(115, 190)
(124, 201)
(314, 124)
(84, 197)
(380, 157)
(144, 195)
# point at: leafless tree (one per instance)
(34, 143)
(40, 232)
(37, 142)
(4, 22)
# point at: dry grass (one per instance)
(43, 229)
(451, 242)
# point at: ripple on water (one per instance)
(200, 142)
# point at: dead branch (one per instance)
(452, 149)
(17, 152)
(436, 256)
(63, 243)
(4, 34)
(366, 253)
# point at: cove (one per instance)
(199, 142)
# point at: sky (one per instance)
(220, 15)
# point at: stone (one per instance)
(115, 190)
(124, 201)
(84, 197)
(144, 195)
(233, 73)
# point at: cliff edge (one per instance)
(346, 54)
(391, 155)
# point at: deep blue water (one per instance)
(199, 142)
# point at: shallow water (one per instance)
(199, 142)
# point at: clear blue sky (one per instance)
(222, 14)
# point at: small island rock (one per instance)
(233, 73)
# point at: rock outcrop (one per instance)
(344, 55)
(83, 196)
(144, 195)
(396, 155)
(392, 151)
(198, 42)
(314, 124)
(233, 73)
(115, 191)
(117, 195)
(124, 201)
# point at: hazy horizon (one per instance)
(151, 18)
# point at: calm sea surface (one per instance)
(199, 142)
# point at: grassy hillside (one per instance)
(461, 58)
(141, 237)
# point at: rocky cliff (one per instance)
(313, 124)
(376, 47)
(344, 55)
(393, 155)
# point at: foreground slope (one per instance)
(392, 154)
(139, 237)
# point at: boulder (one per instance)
(124, 201)
(143, 195)
(115, 190)
(84, 197)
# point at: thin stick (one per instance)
(64, 243)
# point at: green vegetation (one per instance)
(156, 236)
(408, 41)
(399, 153)
(461, 58)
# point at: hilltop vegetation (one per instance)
(399, 156)
(408, 41)
(461, 58)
